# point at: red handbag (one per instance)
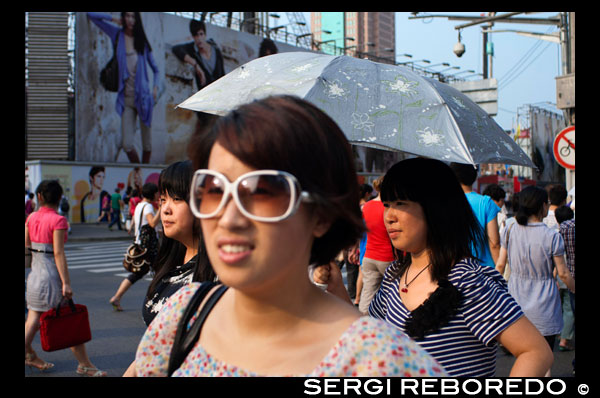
(64, 327)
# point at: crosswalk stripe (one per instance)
(97, 257)
(96, 265)
(97, 271)
(106, 257)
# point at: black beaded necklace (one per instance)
(407, 284)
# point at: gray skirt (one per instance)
(44, 286)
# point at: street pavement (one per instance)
(113, 345)
(96, 232)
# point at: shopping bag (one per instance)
(64, 327)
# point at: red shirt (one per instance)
(132, 203)
(379, 246)
(42, 224)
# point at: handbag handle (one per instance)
(140, 222)
(69, 301)
(186, 339)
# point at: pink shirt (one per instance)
(42, 224)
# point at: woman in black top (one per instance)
(175, 265)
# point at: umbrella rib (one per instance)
(462, 138)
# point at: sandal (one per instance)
(565, 348)
(83, 371)
(116, 305)
(29, 358)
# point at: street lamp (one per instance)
(454, 67)
(464, 71)
(276, 28)
(412, 62)
(312, 36)
(318, 43)
(441, 63)
(349, 47)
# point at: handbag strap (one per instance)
(140, 222)
(186, 339)
(70, 302)
(508, 234)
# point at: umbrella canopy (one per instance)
(378, 105)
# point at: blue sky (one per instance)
(525, 67)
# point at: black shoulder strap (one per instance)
(186, 339)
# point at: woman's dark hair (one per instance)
(365, 189)
(51, 192)
(267, 47)
(495, 192)
(289, 134)
(452, 232)
(139, 35)
(531, 202)
(465, 173)
(149, 189)
(452, 229)
(175, 181)
(563, 213)
(557, 194)
(514, 203)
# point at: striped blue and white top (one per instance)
(465, 347)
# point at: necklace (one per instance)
(407, 284)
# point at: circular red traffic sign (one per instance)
(564, 148)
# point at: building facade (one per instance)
(363, 34)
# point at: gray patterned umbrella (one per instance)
(377, 105)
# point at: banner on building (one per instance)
(86, 185)
(139, 122)
(544, 127)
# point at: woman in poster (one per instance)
(135, 100)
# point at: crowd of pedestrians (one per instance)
(437, 277)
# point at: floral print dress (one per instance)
(368, 348)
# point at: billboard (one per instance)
(139, 123)
(86, 184)
(544, 127)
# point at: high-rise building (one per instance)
(364, 34)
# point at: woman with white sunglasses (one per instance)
(276, 191)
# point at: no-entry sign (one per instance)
(564, 148)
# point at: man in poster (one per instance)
(91, 203)
(203, 55)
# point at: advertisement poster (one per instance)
(545, 126)
(85, 185)
(139, 123)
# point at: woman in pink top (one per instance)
(48, 282)
(378, 253)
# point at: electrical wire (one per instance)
(516, 69)
(512, 78)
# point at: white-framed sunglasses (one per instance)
(262, 195)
